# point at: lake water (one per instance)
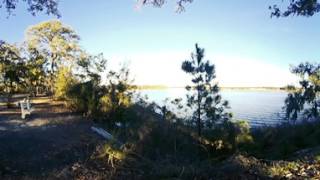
(257, 107)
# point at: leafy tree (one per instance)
(50, 7)
(36, 77)
(307, 97)
(12, 69)
(204, 98)
(56, 42)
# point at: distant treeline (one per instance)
(256, 88)
(143, 87)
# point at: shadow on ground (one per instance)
(46, 142)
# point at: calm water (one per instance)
(258, 107)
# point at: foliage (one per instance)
(36, 77)
(165, 150)
(280, 170)
(283, 141)
(174, 111)
(159, 3)
(290, 88)
(293, 7)
(297, 7)
(229, 137)
(34, 6)
(107, 103)
(12, 69)
(64, 81)
(119, 96)
(32, 68)
(204, 98)
(85, 97)
(90, 67)
(56, 42)
(307, 98)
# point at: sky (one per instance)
(248, 47)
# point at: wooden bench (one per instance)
(25, 108)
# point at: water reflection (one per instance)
(258, 107)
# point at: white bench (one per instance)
(25, 108)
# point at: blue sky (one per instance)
(247, 46)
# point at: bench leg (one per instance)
(23, 116)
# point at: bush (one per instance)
(86, 98)
(283, 141)
(229, 137)
(64, 81)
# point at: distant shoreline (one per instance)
(160, 87)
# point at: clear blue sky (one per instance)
(248, 47)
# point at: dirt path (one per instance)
(49, 140)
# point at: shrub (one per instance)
(229, 137)
(118, 97)
(283, 141)
(86, 98)
(64, 81)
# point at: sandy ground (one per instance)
(45, 142)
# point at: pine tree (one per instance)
(203, 97)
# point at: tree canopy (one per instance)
(160, 3)
(292, 7)
(55, 41)
(297, 7)
(307, 98)
(50, 7)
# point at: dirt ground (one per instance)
(45, 142)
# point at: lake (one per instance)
(256, 106)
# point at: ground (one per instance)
(54, 143)
(44, 143)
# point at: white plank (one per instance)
(102, 132)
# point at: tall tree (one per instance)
(306, 98)
(204, 98)
(56, 42)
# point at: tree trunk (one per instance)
(9, 97)
(9, 100)
(37, 90)
(199, 111)
(53, 63)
